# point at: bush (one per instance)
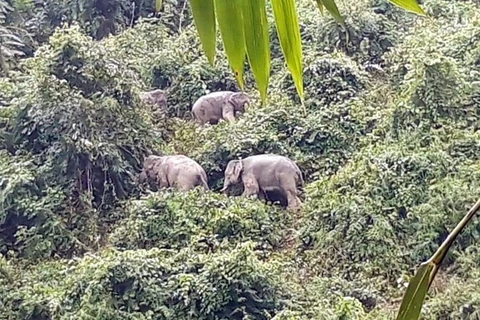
(328, 79)
(205, 220)
(167, 285)
(34, 221)
(387, 202)
(84, 134)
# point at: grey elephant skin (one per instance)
(261, 174)
(214, 106)
(157, 99)
(177, 171)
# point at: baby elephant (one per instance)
(266, 173)
(214, 106)
(176, 171)
(156, 98)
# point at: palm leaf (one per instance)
(288, 31)
(230, 23)
(204, 19)
(409, 5)
(257, 42)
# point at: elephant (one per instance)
(178, 171)
(266, 173)
(226, 105)
(156, 99)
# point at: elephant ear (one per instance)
(238, 99)
(159, 96)
(237, 169)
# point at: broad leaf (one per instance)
(409, 5)
(204, 19)
(230, 23)
(332, 8)
(158, 5)
(257, 42)
(320, 5)
(288, 31)
(416, 292)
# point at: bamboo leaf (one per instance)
(288, 31)
(257, 42)
(320, 6)
(416, 292)
(158, 5)
(332, 8)
(204, 19)
(409, 5)
(230, 23)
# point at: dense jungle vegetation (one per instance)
(388, 142)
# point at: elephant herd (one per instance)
(260, 175)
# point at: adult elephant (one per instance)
(214, 106)
(266, 173)
(177, 171)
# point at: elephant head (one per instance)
(232, 174)
(239, 100)
(155, 97)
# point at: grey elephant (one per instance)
(214, 106)
(177, 171)
(261, 174)
(157, 99)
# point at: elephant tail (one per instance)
(300, 177)
(203, 180)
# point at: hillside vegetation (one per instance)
(388, 142)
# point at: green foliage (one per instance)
(76, 119)
(387, 141)
(330, 79)
(154, 283)
(206, 220)
(10, 43)
(33, 220)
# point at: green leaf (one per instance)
(230, 23)
(320, 6)
(158, 5)
(204, 18)
(288, 31)
(257, 42)
(409, 5)
(332, 8)
(416, 292)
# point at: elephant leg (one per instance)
(294, 203)
(289, 188)
(262, 195)
(228, 113)
(186, 182)
(162, 181)
(251, 186)
(142, 178)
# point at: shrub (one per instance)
(386, 202)
(176, 220)
(122, 285)
(328, 79)
(34, 222)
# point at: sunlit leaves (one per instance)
(332, 8)
(288, 32)
(257, 42)
(230, 23)
(409, 5)
(243, 27)
(158, 5)
(204, 19)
